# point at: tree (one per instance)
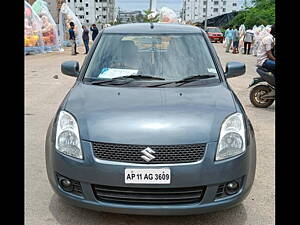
(149, 20)
(262, 13)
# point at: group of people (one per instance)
(263, 40)
(85, 37)
(233, 37)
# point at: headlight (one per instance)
(232, 137)
(67, 136)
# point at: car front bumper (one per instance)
(216, 38)
(206, 172)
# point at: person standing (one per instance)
(85, 38)
(228, 36)
(248, 40)
(235, 39)
(73, 38)
(95, 31)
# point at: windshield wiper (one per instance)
(184, 80)
(139, 76)
(194, 78)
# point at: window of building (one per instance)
(96, 0)
(104, 8)
(97, 9)
(196, 7)
(87, 21)
(104, 17)
(224, 10)
(215, 9)
(80, 0)
(81, 17)
(86, 13)
(216, 3)
(87, 4)
(233, 4)
(205, 2)
(75, 1)
(68, 0)
(204, 9)
(224, 3)
(188, 14)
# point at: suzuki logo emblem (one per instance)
(147, 154)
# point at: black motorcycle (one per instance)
(263, 95)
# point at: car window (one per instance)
(214, 30)
(172, 57)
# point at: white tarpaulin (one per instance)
(65, 17)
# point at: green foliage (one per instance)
(152, 20)
(263, 12)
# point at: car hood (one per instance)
(150, 116)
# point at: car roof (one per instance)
(158, 28)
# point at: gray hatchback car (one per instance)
(151, 126)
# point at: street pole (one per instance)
(205, 24)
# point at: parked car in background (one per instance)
(151, 126)
(215, 34)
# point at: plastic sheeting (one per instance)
(65, 17)
(167, 15)
(49, 27)
(33, 38)
(220, 21)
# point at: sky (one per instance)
(130, 5)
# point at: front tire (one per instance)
(256, 95)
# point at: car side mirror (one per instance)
(70, 68)
(235, 69)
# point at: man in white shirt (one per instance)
(265, 57)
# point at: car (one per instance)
(215, 34)
(151, 126)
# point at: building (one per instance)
(195, 10)
(130, 16)
(93, 11)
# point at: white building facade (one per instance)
(195, 10)
(93, 11)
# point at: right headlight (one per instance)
(232, 137)
(67, 136)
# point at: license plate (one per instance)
(148, 176)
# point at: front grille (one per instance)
(163, 153)
(148, 195)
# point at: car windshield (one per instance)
(214, 30)
(170, 57)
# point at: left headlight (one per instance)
(232, 137)
(67, 136)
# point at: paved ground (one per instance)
(43, 94)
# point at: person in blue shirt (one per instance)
(73, 38)
(228, 37)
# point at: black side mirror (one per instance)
(70, 68)
(235, 69)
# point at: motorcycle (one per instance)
(263, 95)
